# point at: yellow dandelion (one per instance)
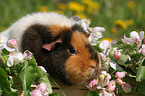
(114, 30)
(87, 2)
(61, 6)
(42, 9)
(121, 24)
(129, 22)
(74, 6)
(81, 15)
(131, 4)
(91, 5)
(109, 39)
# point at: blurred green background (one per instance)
(118, 17)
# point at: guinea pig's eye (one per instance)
(72, 51)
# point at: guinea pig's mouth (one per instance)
(93, 75)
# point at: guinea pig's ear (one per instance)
(50, 46)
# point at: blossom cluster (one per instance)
(94, 33)
(40, 90)
(108, 87)
(111, 57)
(15, 57)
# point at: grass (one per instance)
(105, 16)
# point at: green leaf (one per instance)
(140, 89)
(33, 62)
(4, 83)
(123, 59)
(141, 74)
(39, 72)
(92, 93)
(6, 93)
(27, 76)
(5, 52)
(3, 59)
(44, 79)
(54, 94)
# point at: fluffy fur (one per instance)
(69, 56)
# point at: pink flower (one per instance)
(42, 69)
(105, 93)
(93, 84)
(42, 87)
(119, 74)
(12, 43)
(117, 54)
(143, 51)
(104, 82)
(104, 79)
(36, 92)
(119, 81)
(126, 87)
(46, 94)
(111, 86)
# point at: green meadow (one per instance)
(118, 17)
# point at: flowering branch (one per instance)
(118, 58)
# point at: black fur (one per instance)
(94, 55)
(54, 61)
(77, 27)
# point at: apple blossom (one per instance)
(98, 29)
(119, 81)
(104, 78)
(12, 43)
(126, 87)
(92, 84)
(104, 44)
(113, 43)
(42, 69)
(76, 18)
(135, 37)
(117, 54)
(105, 93)
(85, 24)
(36, 92)
(3, 44)
(111, 86)
(46, 94)
(119, 74)
(42, 87)
(10, 61)
(15, 57)
(143, 51)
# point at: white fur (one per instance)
(18, 28)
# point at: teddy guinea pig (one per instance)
(58, 44)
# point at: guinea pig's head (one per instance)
(65, 52)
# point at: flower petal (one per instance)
(10, 61)
(141, 36)
(104, 44)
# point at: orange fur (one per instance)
(78, 67)
(56, 29)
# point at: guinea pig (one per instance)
(57, 43)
